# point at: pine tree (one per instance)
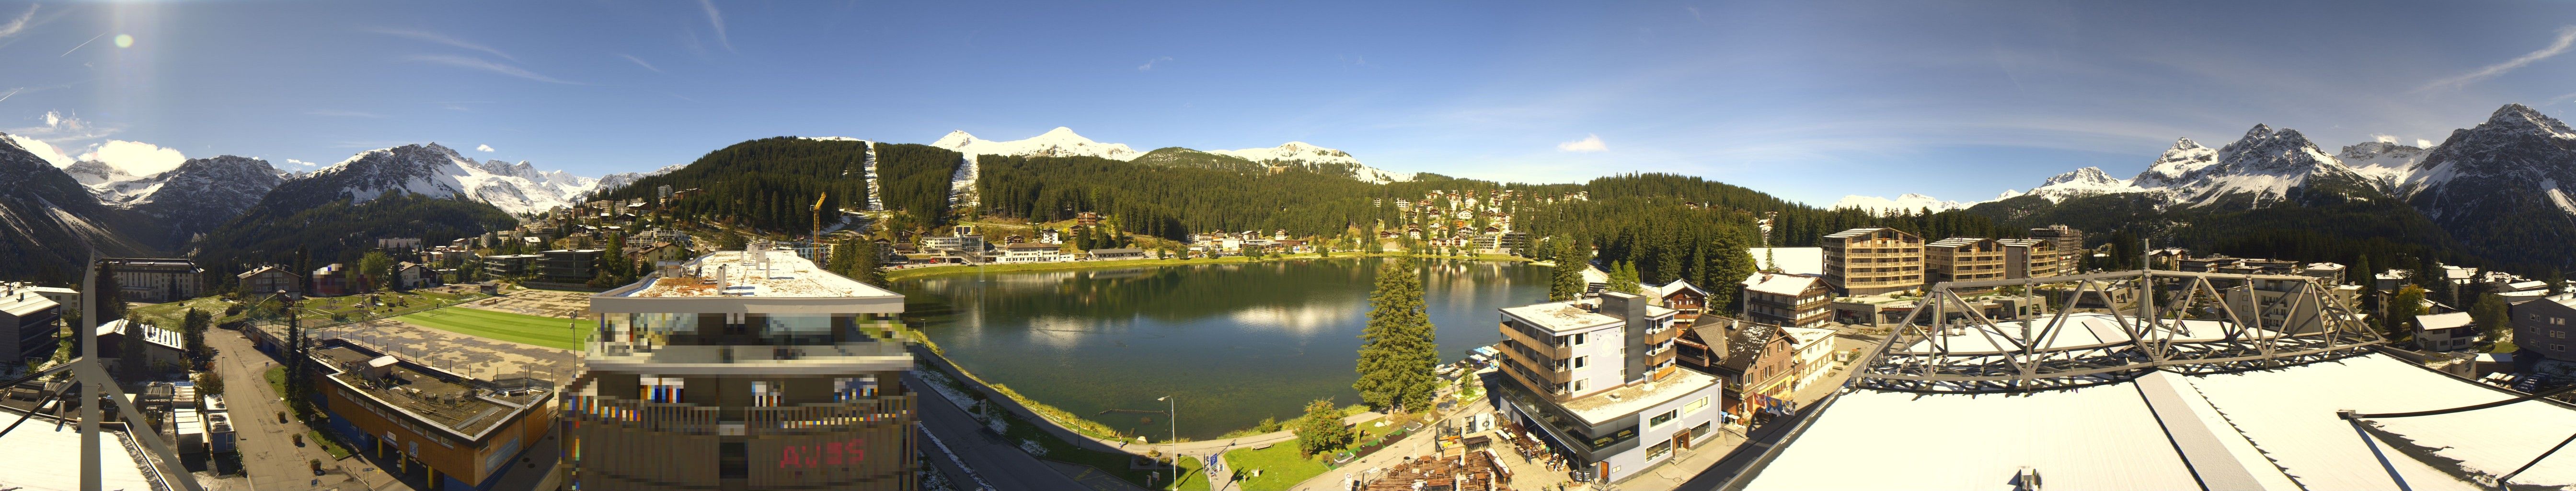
(1567, 281)
(1623, 279)
(1399, 352)
(1729, 266)
(2492, 317)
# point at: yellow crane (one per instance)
(818, 216)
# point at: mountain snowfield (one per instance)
(437, 171)
(2517, 149)
(1058, 142)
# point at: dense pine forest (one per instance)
(2380, 234)
(771, 184)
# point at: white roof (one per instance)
(154, 335)
(1593, 274)
(1779, 284)
(1804, 335)
(1677, 285)
(785, 275)
(1559, 316)
(1792, 260)
(2255, 429)
(43, 456)
(2528, 285)
(2444, 321)
(1598, 408)
(24, 301)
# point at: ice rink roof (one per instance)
(2275, 429)
(42, 456)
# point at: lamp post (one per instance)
(1175, 415)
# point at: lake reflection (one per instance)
(1237, 342)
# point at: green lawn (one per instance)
(315, 310)
(517, 328)
(1281, 467)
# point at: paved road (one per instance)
(999, 462)
(268, 454)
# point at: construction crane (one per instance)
(818, 216)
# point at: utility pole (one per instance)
(89, 393)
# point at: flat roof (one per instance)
(1602, 407)
(446, 400)
(740, 274)
(43, 455)
(2267, 429)
(25, 301)
(1955, 242)
(1559, 317)
(2444, 321)
(1854, 232)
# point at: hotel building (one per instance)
(1599, 384)
(742, 370)
(1871, 261)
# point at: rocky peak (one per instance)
(2521, 117)
(2177, 162)
(2372, 150)
(2273, 151)
(2087, 175)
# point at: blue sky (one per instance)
(1958, 100)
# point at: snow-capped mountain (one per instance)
(1909, 202)
(621, 179)
(2087, 181)
(437, 171)
(2185, 157)
(1319, 159)
(2517, 162)
(198, 195)
(95, 174)
(2266, 167)
(1058, 142)
(2386, 164)
(48, 220)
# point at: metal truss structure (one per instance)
(97, 387)
(2185, 322)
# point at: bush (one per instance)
(1267, 425)
(1321, 430)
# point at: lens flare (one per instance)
(124, 41)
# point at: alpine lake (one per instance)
(1234, 342)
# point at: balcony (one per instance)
(703, 420)
(1543, 347)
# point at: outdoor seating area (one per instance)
(1468, 471)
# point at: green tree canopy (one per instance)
(1398, 354)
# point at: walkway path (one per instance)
(268, 452)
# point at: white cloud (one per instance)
(489, 66)
(716, 18)
(485, 148)
(2566, 38)
(640, 62)
(20, 24)
(1589, 143)
(299, 163)
(2390, 139)
(442, 39)
(2423, 143)
(43, 151)
(53, 119)
(1149, 64)
(136, 158)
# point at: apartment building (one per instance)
(29, 322)
(1787, 300)
(2445, 332)
(2030, 258)
(1600, 383)
(750, 369)
(510, 265)
(1031, 253)
(569, 265)
(1964, 259)
(2547, 326)
(2069, 244)
(1871, 261)
(156, 280)
(270, 279)
(450, 430)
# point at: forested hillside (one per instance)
(2380, 233)
(771, 184)
(341, 231)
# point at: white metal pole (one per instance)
(89, 414)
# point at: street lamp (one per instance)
(1175, 415)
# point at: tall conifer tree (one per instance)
(1399, 352)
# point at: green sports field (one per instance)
(517, 328)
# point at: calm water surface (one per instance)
(1236, 342)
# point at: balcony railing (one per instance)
(704, 420)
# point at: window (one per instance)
(1700, 432)
(660, 389)
(1660, 419)
(2558, 334)
(850, 389)
(766, 393)
(1659, 450)
(1578, 338)
(2557, 321)
(1578, 384)
(1578, 361)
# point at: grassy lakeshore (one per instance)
(909, 273)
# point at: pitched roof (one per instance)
(1676, 286)
(2444, 321)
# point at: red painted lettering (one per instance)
(786, 457)
(858, 450)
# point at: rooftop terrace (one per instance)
(460, 405)
(758, 273)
